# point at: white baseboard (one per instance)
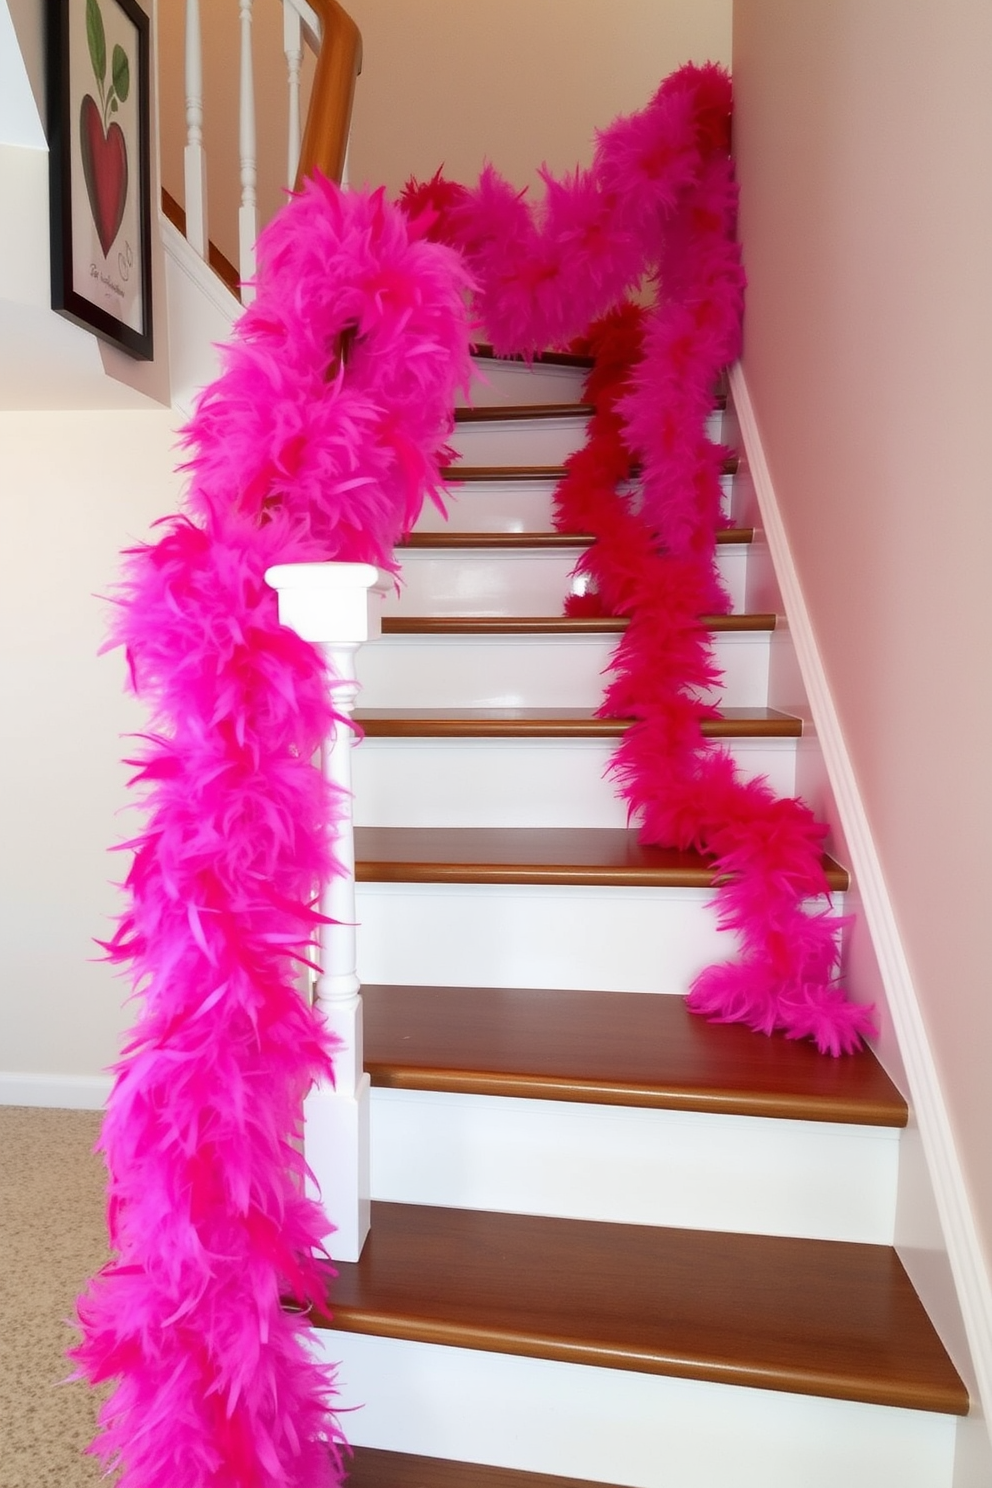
(68, 1092)
(968, 1264)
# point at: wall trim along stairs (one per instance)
(967, 1263)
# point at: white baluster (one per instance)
(338, 606)
(248, 212)
(292, 42)
(194, 158)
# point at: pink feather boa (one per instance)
(293, 458)
(660, 199)
(297, 457)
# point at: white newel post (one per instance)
(194, 159)
(337, 605)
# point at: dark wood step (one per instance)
(501, 413)
(534, 855)
(511, 541)
(810, 1316)
(611, 1048)
(473, 473)
(370, 1467)
(549, 624)
(556, 723)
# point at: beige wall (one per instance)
(863, 132)
(456, 82)
(76, 488)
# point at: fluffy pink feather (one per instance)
(660, 200)
(296, 454)
(319, 441)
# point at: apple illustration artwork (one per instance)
(101, 142)
(104, 170)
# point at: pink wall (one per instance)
(864, 142)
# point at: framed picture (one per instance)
(97, 61)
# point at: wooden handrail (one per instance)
(325, 138)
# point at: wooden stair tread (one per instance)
(556, 723)
(371, 1467)
(534, 472)
(810, 1316)
(550, 624)
(535, 855)
(499, 413)
(611, 1048)
(443, 541)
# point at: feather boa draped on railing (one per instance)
(293, 458)
(660, 201)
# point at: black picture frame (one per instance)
(97, 55)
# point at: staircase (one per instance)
(610, 1242)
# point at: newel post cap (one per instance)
(331, 603)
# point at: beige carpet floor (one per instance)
(51, 1240)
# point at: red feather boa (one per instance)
(660, 199)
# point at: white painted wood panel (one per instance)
(628, 1166)
(491, 506)
(506, 506)
(613, 1426)
(510, 935)
(545, 441)
(495, 381)
(515, 782)
(527, 581)
(504, 671)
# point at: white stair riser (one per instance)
(545, 441)
(497, 382)
(524, 671)
(526, 582)
(629, 1166)
(513, 935)
(506, 506)
(616, 1426)
(515, 782)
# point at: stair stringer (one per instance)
(201, 313)
(936, 1236)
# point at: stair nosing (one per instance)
(496, 413)
(381, 723)
(555, 624)
(818, 1383)
(473, 1253)
(568, 857)
(446, 541)
(444, 1080)
(503, 473)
